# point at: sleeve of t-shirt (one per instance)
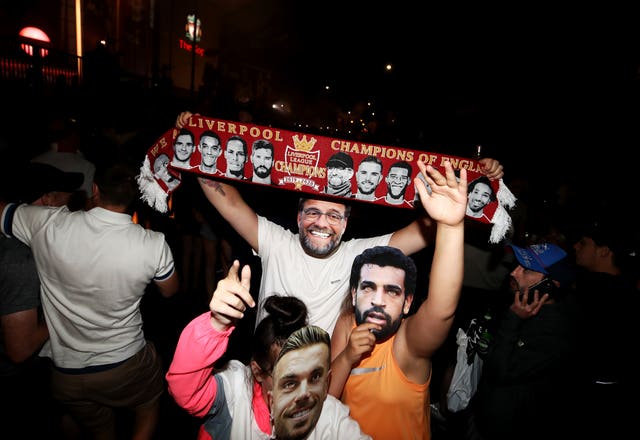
(359, 245)
(166, 265)
(24, 221)
(268, 233)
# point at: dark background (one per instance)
(545, 88)
(551, 90)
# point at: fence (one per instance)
(28, 62)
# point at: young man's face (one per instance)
(397, 182)
(380, 298)
(479, 197)
(320, 237)
(368, 177)
(300, 386)
(183, 147)
(262, 160)
(236, 157)
(587, 252)
(210, 150)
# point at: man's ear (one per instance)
(353, 297)
(408, 299)
(270, 399)
(346, 223)
(605, 251)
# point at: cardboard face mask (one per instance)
(300, 383)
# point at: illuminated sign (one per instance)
(34, 33)
(193, 28)
(193, 34)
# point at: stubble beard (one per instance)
(306, 241)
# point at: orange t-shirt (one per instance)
(384, 402)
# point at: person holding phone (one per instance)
(526, 387)
(542, 270)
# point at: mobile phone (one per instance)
(546, 285)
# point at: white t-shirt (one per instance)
(321, 283)
(94, 267)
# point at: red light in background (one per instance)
(35, 34)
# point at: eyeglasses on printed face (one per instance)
(313, 214)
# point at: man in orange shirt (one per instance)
(381, 365)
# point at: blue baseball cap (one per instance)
(539, 257)
(548, 259)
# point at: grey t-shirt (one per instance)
(19, 288)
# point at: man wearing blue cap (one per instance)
(541, 265)
(526, 373)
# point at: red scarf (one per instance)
(309, 164)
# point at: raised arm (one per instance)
(228, 201)
(414, 237)
(420, 233)
(204, 340)
(427, 329)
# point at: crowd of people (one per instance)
(231, 319)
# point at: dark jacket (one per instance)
(526, 376)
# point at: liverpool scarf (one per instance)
(310, 164)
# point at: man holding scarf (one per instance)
(314, 264)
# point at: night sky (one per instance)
(542, 85)
(539, 86)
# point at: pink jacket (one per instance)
(191, 377)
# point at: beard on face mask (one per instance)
(388, 330)
(262, 171)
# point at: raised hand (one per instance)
(183, 119)
(231, 297)
(447, 202)
(523, 307)
(492, 168)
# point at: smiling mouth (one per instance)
(320, 234)
(301, 414)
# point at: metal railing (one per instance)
(28, 62)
